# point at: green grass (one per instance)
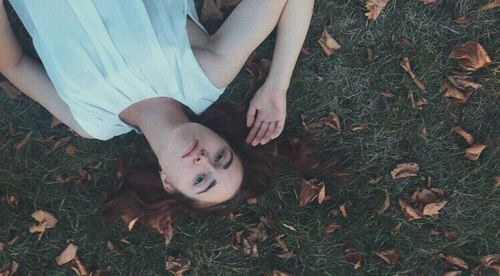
(350, 89)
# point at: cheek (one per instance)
(181, 176)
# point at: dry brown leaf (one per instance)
(374, 8)
(450, 235)
(289, 227)
(210, 11)
(10, 90)
(453, 260)
(454, 94)
(462, 21)
(409, 212)
(78, 267)
(452, 273)
(496, 179)
(471, 56)
(359, 127)
(332, 227)
(45, 220)
(405, 64)
(390, 256)
(112, 248)
(369, 54)
(70, 150)
(25, 140)
(353, 257)
(332, 120)
(432, 209)
(309, 190)
(328, 43)
(428, 2)
(395, 229)
(386, 204)
(492, 261)
(11, 199)
(343, 210)
(286, 253)
(463, 83)
(280, 273)
(474, 152)
(493, 4)
(177, 266)
(68, 254)
(386, 94)
(421, 102)
(375, 180)
(405, 170)
(467, 136)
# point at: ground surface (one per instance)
(351, 87)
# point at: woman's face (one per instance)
(200, 164)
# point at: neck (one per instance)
(157, 118)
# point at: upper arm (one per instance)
(30, 77)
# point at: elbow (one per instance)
(10, 64)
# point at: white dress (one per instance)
(105, 55)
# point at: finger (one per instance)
(270, 133)
(252, 111)
(279, 129)
(262, 132)
(253, 131)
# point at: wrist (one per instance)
(277, 84)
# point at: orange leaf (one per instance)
(374, 8)
(405, 170)
(474, 152)
(471, 56)
(327, 42)
(309, 190)
(467, 136)
(390, 256)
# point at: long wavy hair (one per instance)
(139, 192)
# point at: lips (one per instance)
(191, 149)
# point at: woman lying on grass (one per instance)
(113, 66)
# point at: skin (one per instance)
(164, 124)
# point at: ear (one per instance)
(166, 183)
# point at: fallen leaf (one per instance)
(474, 152)
(309, 191)
(45, 220)
(177, 266)
(405, 170)
(286, 253)
(111, 247)
(453, 260)
(471, 56)
(493, 4)
(375, 180)
(497, 181)
(462, 21)
(343, 210)
(421, 102)
(328, 43)
(432, 209)
(428, 2)
(132, 223)
(11, 199)
(353, 257)
(332, 227)
(405, 64)
(386, 94)
(67, 255)
(390, 256)
(210, 11)
(395, 229)
(25, 140)
(454, 94)
(280, 273)
(70, 150)
(289, 227)
(78, 267)
(492, 261)
(386, 204)
(374, 8)
(332, 120)
(452, 273)
(467, 136)
(450, 235)
(409, 212)
(369, 54)
(463, 83)
(359, 127)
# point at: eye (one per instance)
(199, 179)
(219, 156)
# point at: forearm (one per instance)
(292, 29)
(10, 49)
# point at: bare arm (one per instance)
(30, 77)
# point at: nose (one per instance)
(202, 158)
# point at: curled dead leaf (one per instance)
(467, 136)
(432, 209)
(474, 152)
(454, 260)
(328, 43)
(68, 254)
(405, 64)
(353, 257)
(280, 273)
(496, 179)
(332, 120)
(492, 261)
(332, 227)
(374, 8)
(112, 248)
(45, 220)
(309, 190)
(395, 229)
(359, 127)
(428, 2)
(369, 54)
(386, 204)
(409, 212)
(78, 267)
(177, 266)
(386, 94)
(405, 170)
(452, 273)
(471, 56)
(390, 256)
(462, 21)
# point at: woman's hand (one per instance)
(266, 114)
